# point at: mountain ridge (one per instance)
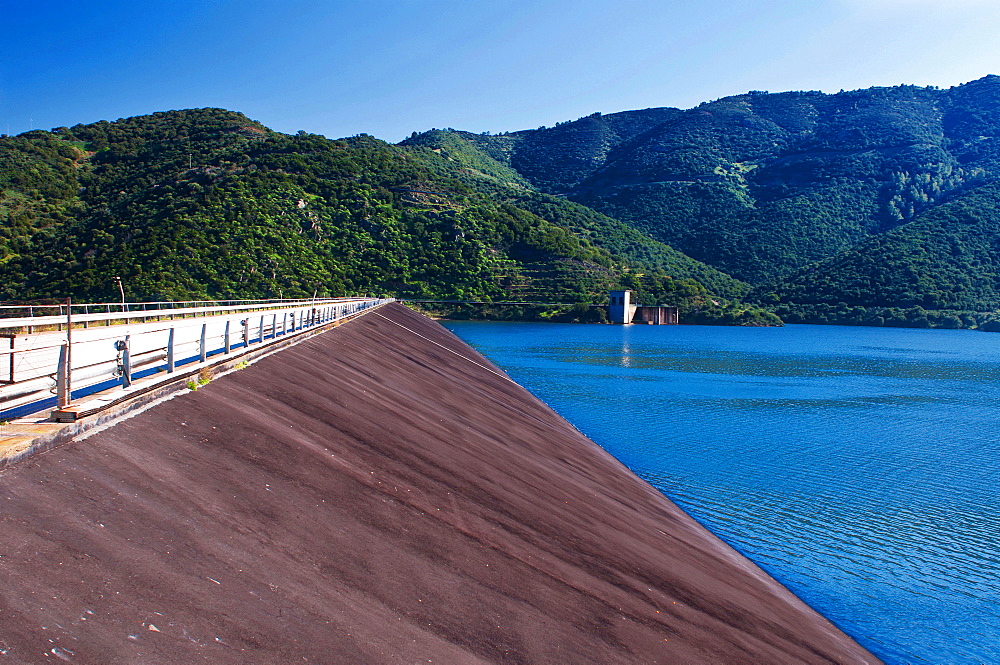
(762, 185)
(778, 197)
(207, 203)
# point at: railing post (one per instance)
(260, 331)
(69, 352)
(123, 346)
(62, 377)
(170, 352)
(274, 325)
(246, 332)
(127, 363)
(202, 351)
(226, 335)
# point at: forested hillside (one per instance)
(872, 206)
(943, 269)
(209, 204)
(792, 191)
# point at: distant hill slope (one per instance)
(946, 259)
(760, 185)
(477, 167)
(207, 203)
(687, 207)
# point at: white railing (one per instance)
(12, 317)
(99, 350)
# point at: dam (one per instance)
(376, 493)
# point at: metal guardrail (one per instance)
(497, 302)
(96, 351)
(47, 316)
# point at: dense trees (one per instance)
(943, 265)
(209, 204)
(872, 207)
(835, 207)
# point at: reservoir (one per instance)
(858, 466)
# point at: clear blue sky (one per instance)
(387, 68)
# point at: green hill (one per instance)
(481, 171)
(942, 269)
(760, 184)
(770, 188)
(209, 204)
(848, 207)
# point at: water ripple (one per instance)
(858, 466)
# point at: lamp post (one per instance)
(121, 289)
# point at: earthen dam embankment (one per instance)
(379, 493)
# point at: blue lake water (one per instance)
(858, 466)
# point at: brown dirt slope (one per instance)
(370, 496)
